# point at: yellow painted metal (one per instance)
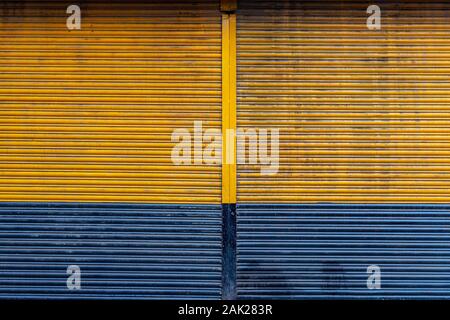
(228, 108)
(87, 115)
(364, 115)
(233, 109)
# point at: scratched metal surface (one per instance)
(363, 114)
(87, 115)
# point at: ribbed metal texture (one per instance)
(323, 251)
(363, 114)
(87, 115)
(123, 250)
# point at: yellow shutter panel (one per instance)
(363, 114)
(87, 115)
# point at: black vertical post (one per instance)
(229, 251)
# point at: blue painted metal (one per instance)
(124, 251)
(322, 251)
(229, 251)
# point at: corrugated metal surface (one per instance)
(123, 250)
(87, 115)
(363, 115)
(323, 251)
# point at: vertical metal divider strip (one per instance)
(228, 8)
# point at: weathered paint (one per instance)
(87, 115)
(363, 114)
(229, 251)
(322, 251)
(124, 251)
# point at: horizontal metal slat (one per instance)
(135, 72)
(351, 104)
(123, 251)
(322, 251)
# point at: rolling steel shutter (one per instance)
(87, 115)
(124, 251)
(363, 114)
(323, 251)
(363, 118)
